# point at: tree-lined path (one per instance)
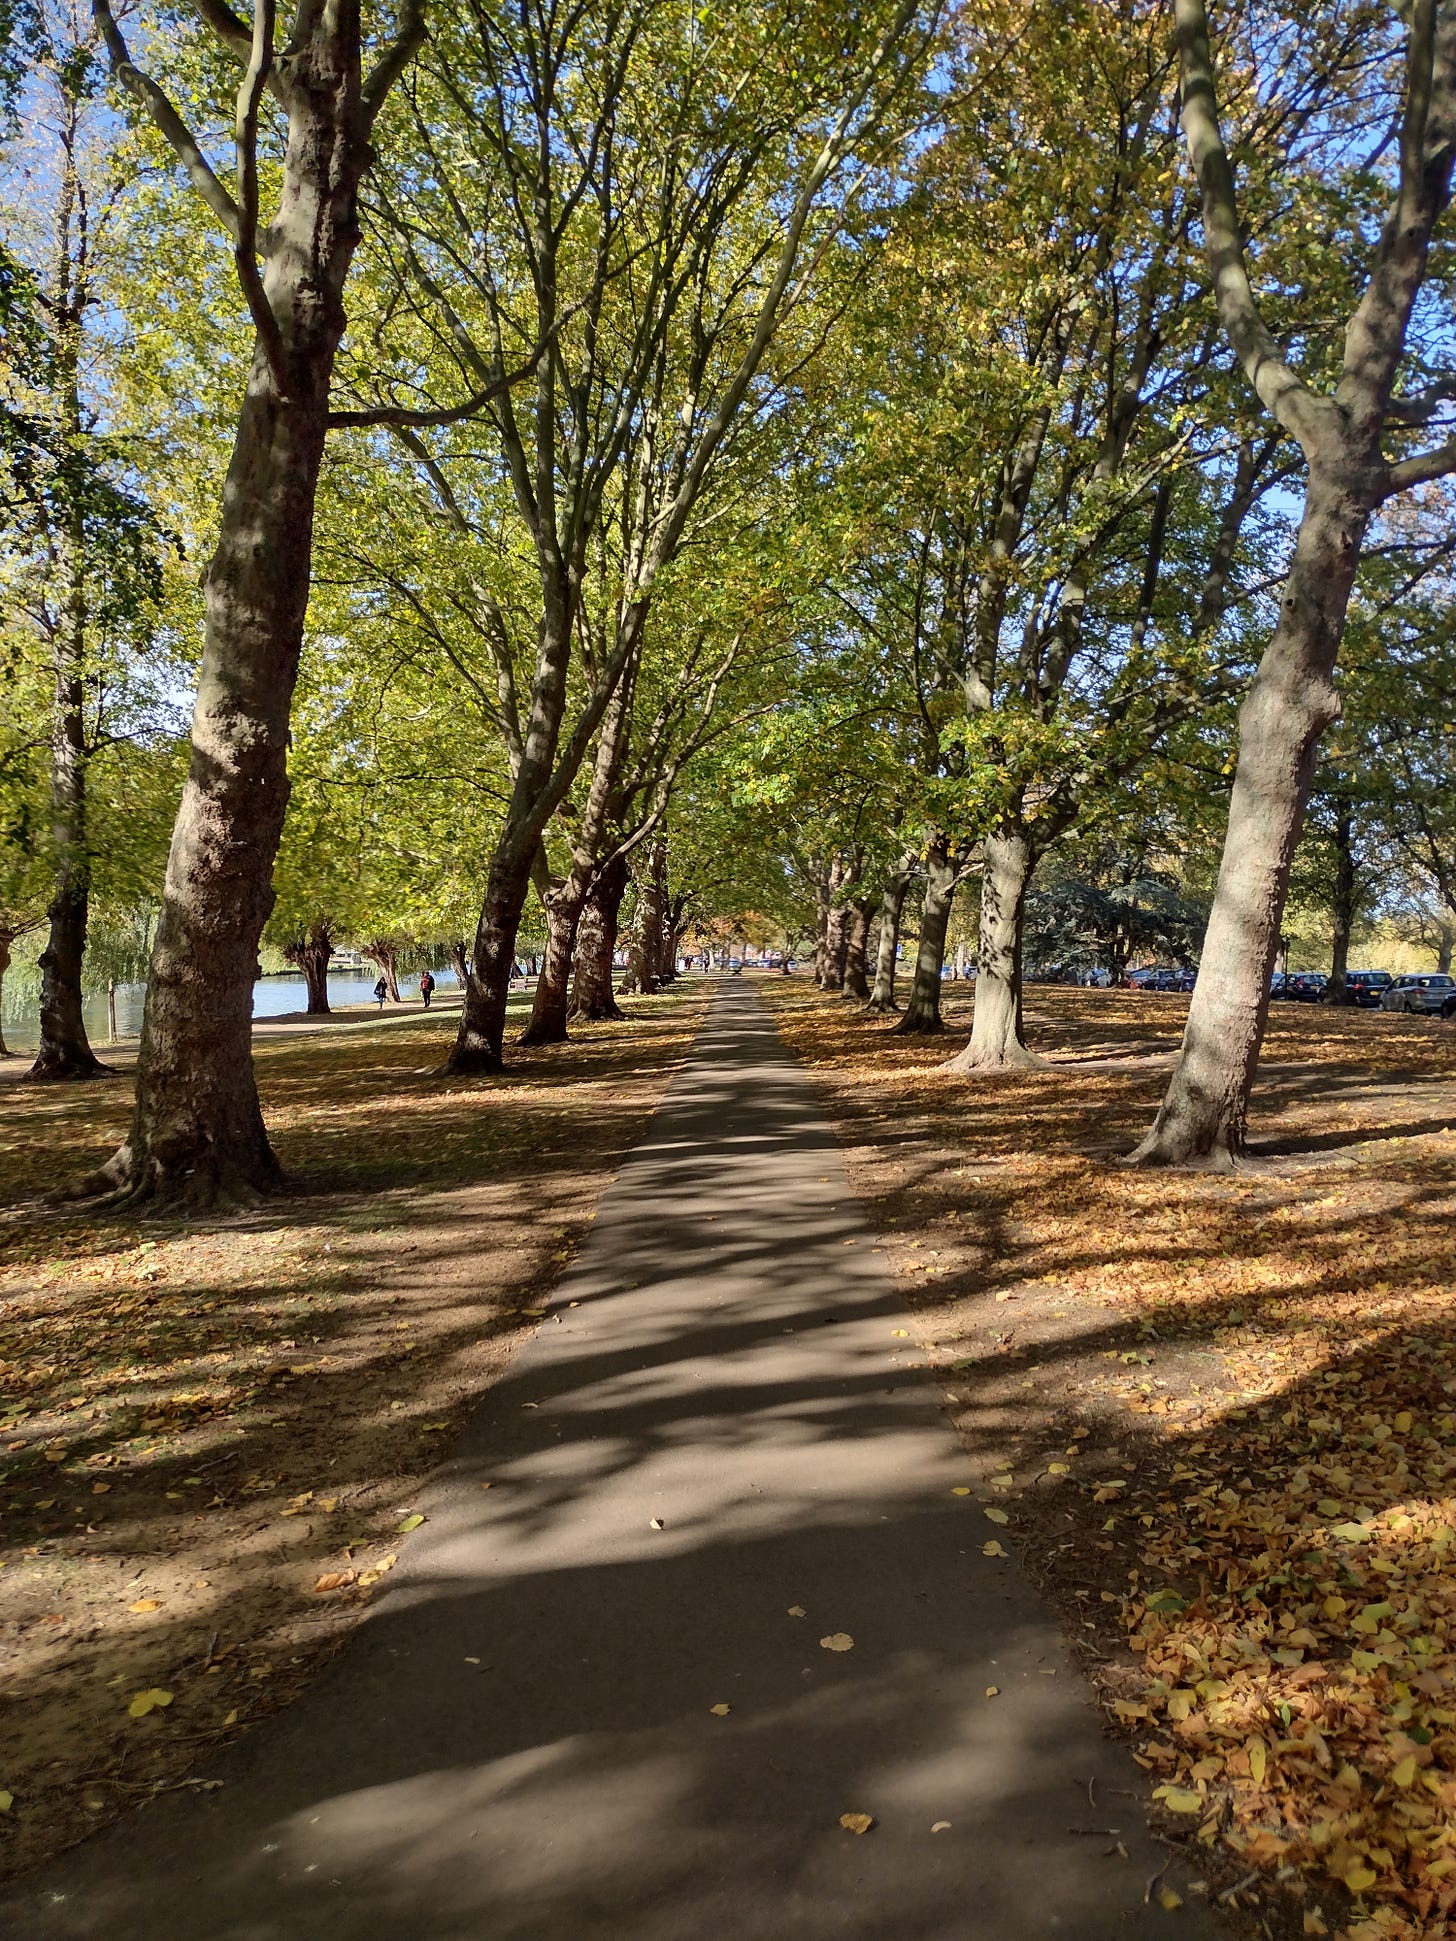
(711, 1458)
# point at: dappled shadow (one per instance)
(717, 1453)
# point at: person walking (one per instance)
(427, 987)
(381, 992)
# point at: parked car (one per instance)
(1428, 992)
(1305, 987)
(1362, 988)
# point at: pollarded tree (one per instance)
(1345, 429)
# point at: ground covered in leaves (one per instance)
(212, 1432)
(1219, 1413)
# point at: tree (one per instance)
(652, 202)
(305, 115)
(1342, 432)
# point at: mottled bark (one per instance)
(549, 1002)
(596, 941)
(855, 982)
(1203, 1119)
(922, 1012)
(997, 1043)
(459, 960)
(892, 904)
(7, 939)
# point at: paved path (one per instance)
(520, 1741)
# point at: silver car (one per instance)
(1430, 992)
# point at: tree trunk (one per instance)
(197, 1134)
(836, 944)
(1445, 940)
(856, 948)
(7, 938)
(459, 960)
(1342, 907)
(477, 1047)
(596, 941)
(64, 1050)
(826, 885)
(547, 1025)
(996, 1027)
(1204, 1116)
(892, 904)
(922, 1013)
(310, 953)
(384, 955)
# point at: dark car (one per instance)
(1305, 987)
(1364, 988)
(1429, 992)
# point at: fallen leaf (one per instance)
(1168, 1898)
(655, 1524)
(941, 1826)
(856, 1822)
(7, 1800)
(997, 1516)
(720, 1711)
(148, 1701)
(1179, 1799)
(410, 1523)
(334, 1580)
(993, 1691)
(145, 1604)
(993, 1549)
(838, 1641)
(1358, 1877)
(797, 1610)
(960, 1490)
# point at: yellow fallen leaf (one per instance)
(993, 1691)
(1404, 1773)
(720, 1711)
(7, 1800)
(1258, 1761)
(838, 1641)
(960, 1490)
(997, 1516)
(1059, 1469)
(856, 1822)
(797, 1610)
(1358, 1877)
(992, 1549)
(1179, 1799)
(410, 1523)
(1169, 1899)
(145, 1604)
(148, 1701)
(328, 1504)
(1314, 1921)
(900, 1334)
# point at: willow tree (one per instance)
(1346, 429)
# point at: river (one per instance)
(273, 997)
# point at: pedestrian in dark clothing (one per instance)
(427, 987)
(381, 991)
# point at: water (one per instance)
(273, 997)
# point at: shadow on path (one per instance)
(520, 1740)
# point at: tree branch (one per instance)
(1300, 410)
(245, 247)
(144, 89)
(399, 418)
